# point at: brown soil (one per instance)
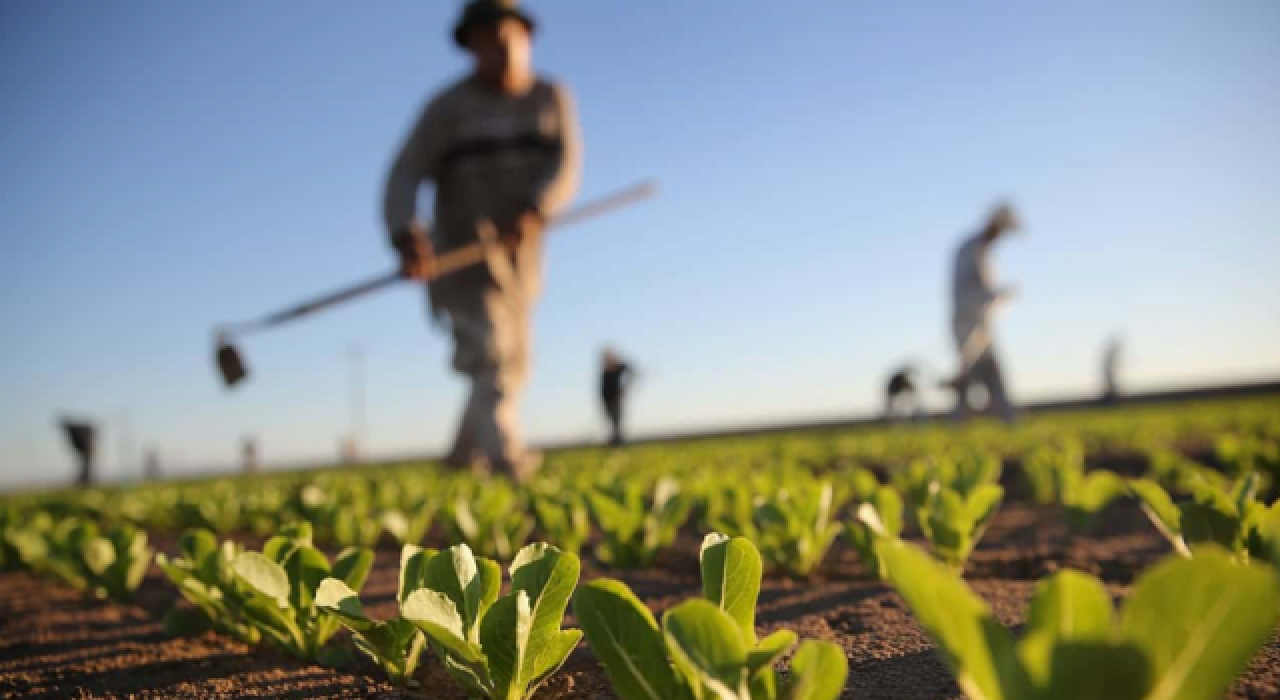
(55, 643)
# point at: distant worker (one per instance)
(974, 300)
(901, 400)
(615, 379)
(501, 148)
(1111, 369)
(249, 454)
(82, 436)
(151, 465)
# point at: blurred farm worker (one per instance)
(901, 399)
(1111, 369)
(501, 148)
(974, 301)
(82, 436)
(615, 379)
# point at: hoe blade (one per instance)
(230, 365)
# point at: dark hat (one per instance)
(480, 13)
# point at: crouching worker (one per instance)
(501, 148)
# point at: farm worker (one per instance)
(974, 299)
(501, 148)
(900, 397)
(615, 378)
(1111, 369)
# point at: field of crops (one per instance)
(1121, 553)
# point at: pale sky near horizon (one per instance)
(168, 166)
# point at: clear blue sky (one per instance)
(167, 166)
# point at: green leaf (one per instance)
(1095, 669)
(435, 614)
(335, 597)
(98, 554)
(471, 584)
(548, 576)
(769, 650)
(1199, 621)
(264, 576)
(624, 636)
(306, 567)
(818, 672)
(1161, 511)
(731, 570)
(977, 649)
(1071, 605)
(706, 643)
(504, 637)
(352, 567)
(197, 544)
(413, 569)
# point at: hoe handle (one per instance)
(443, 264)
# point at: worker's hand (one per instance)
(525, 229)
(414, 249)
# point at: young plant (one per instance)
(281, 584)
(204, 576)
(500, 648)
(953, 523)
(409, 525)
(563, 519)
(1057, 475)
(491, 520)
(1188, 627)
(881, 513)
(633, 532)
(395, 645)
(76, 552)
(795, 527)
(706, 648)
(1228, 518)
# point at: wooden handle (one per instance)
(475, 253)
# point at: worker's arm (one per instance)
(559, 183)
(415, 164)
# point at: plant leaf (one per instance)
(769, 650)
(624, 636)
(731, 570)
(435, 614)
(504, 637)
(548, 576)
(352, 567)
(706, 643)
(264, 576)
(818, 672)
(1199, 621)
(335, 597)
(977, 649)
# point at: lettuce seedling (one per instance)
(705, 648)
(501, 648)
(1232, 519)
(396, 644)
(282, 582)
(795, 526)
(880, 514)
(492, 520)
(75, 551)
(953, 523)
(1187, 629)
(1057, 475)
(204, 576)
(563, 518)
(634, 533)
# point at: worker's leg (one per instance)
(499, 384)
(986, 370)
(613, 410)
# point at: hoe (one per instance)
(231, 364)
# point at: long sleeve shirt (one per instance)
(973, 289)
(491, 156)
